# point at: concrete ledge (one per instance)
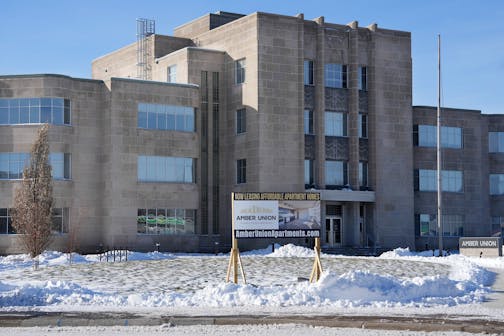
(347, 195)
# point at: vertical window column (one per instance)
(308, 173)
(308, 122)
(308, 72)
(363, 78)
(172, 74)
(241, 121)
(496, 184)
(240, 71)
(335, 75)
(363, 174)
(335, 123)
(336, 173)
(363, 126)
(241, 171)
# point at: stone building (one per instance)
(258, 102)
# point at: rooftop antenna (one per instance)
(145, 28)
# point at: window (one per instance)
(336, 173)
(240, 71)
(363, 78)
(335, 75)
(497, 226)
(241, 121)
(363, 174)
(59, 221)
(496, 142)
(308, 122)
(13, 164)
(452, 225)
(308, 173)
(496, 184)
(451, 180)
(308, 72)
(6, 221)
(54, 111)
(165, 169)
(241, 171)
(335, 124)
(166, 117)
(363, 125)
(61, 165)
(172, 74)
(426, 136)
(165, 221)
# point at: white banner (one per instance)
(256, 215)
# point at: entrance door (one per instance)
(333, 231)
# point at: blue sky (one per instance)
(64, 36)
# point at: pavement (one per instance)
(411, 323)
(496, 299)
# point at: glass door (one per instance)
(333, 231)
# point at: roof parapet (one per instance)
(354, 24)
(373, 26)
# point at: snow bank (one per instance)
(291, 250)
(352, 289)
(285, 251)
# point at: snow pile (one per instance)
(351, 289)
(285, 251)
(405, 252)
(291, 250)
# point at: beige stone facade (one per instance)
(362, 124)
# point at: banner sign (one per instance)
(276, 215)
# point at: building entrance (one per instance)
(333, 231)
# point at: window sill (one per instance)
(332, 87)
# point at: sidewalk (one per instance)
(410, 323)
(496, 299)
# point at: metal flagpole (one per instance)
(439, 186)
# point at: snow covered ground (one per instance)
(398, 282)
